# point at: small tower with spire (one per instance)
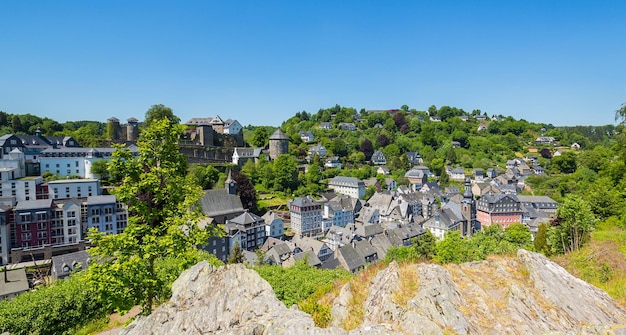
(230, 184)
(468, 209)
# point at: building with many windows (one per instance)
(349, 186)
(502, 209)
(306, 217)
(74, 188)
(105, 213)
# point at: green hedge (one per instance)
(56, 309)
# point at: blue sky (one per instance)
(260, 62)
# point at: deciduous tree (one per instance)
(162, 221)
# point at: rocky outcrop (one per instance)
(527, 295)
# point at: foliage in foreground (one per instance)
(55, 309)
(298, 282)
(456, 249)
(162, 220)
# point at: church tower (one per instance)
(468, 209)
(230, 184)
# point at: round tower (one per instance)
(132, 129)
(279, 144)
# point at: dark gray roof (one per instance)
(310, 257)
(352, 257)
(279, 135)
(219, 202)
(101, 200)
(246, 218)
(34, 204)
(16, 284)
(365, 248)
(303, 202)
(71, 262)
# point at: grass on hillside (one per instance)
(602, 262)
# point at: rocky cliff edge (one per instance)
(525, 295)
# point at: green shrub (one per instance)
(55, 309)
(298, 282)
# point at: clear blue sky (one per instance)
(260, 62)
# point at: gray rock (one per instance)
(581, 301)
(489, 297)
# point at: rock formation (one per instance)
(527, 295)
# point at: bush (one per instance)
(298, 282)
(55, 309)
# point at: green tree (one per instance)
(285, 173)
(424, 245)
(236, 255)
(452, 249)
(518, 234)
(571, 228)
(540, 242)
(260, 137)
(162, 220)
(159, 112)
(100, 168)
(16, 123)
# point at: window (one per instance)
(69, 171)
(95, 220)
(71, 214)
(57, 166)
(76, 164)
(42, 235)
(68, 164)
(41, 226)
(25, 217)
(108, 210)
(47, 166)
(71, 222)
(26, 236)
(108, 218)
(108, 226)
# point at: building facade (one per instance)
(306, 217)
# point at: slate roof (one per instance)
(218, 202)
(279, 135)
(346, 181)
(73, 261)
(365, 248)
(101, 199)
(16, 282)
(352, 258)
(34, 204)
(246, 218)
(310, 257)
(367, 230)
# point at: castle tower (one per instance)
(279, 144)
(468, 209)
(132, 129)
(230, 184)
(113, 128)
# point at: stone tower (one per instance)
(113, 128)
(279, 144)
(132, 129)
(230, 184)
(468, 209)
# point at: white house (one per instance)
(349, 186)
(378, 158)
(74, 188)
(274, 225)
(232, 127)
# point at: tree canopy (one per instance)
(163, 217)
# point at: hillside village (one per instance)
(347, 223)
